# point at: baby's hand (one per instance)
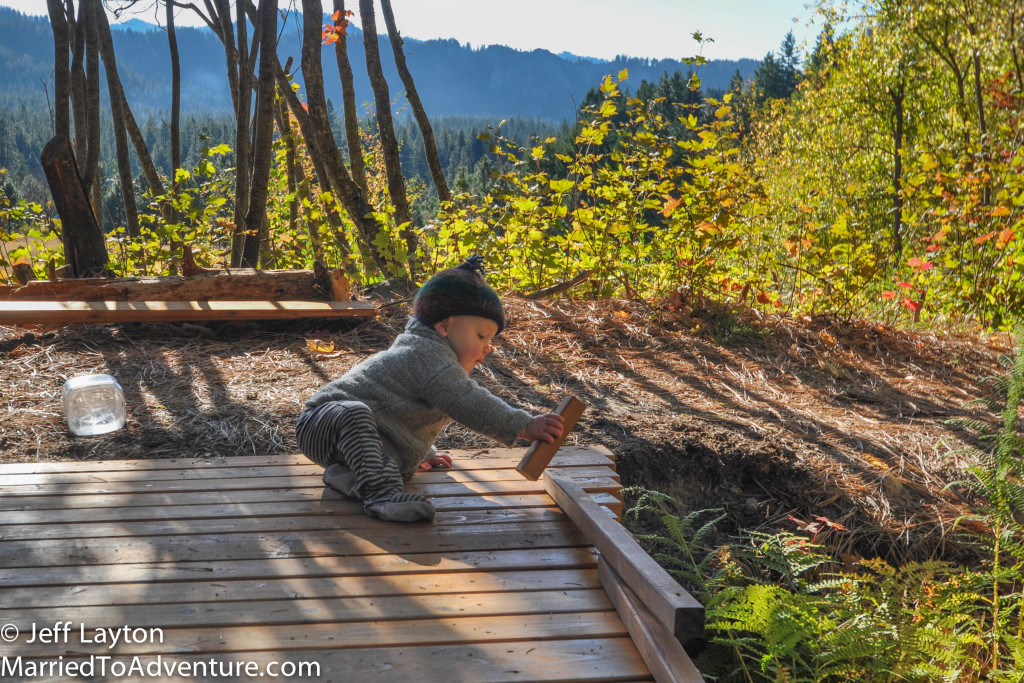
(442, 460)
(546, 428)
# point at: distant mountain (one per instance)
(137, 25)
(452, 79)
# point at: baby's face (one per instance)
(470, 336)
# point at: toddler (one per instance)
(375, 426)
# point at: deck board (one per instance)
(251, 560)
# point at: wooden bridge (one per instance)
(231, 568)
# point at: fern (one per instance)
(998, 477)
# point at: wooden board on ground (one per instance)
(68, 312)
(282, 570)
(237, 284)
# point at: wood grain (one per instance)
(538, 456)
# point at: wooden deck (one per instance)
(252, 561)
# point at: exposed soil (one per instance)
(783, 423)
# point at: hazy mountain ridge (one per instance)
(452, 78)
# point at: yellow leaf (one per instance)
(621, 314)
(1001, 211)
(318, 346)
(670, 206)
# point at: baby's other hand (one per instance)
(547, 428)
(442, 460)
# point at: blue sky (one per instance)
(592, 28)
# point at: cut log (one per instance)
(67, 312)
(239, 285)
(84, 246)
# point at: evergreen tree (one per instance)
(777, 77)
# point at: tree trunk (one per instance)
(156, 185)
(84, 248)
(897, 94)
(429, 146)
(291, 173)
(316, 129)
(78, 108)
(91, 172)
(1018, 69)
(322, 176)
(263, 138)
(172, 44)
(61, 67)
(348, 99)
(386, 129)
(117, 105)
(242, 146)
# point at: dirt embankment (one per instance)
(784, 423)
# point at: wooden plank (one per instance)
(542, 661)
(276, 569)
(666, 658)
(67, 312)
(487, 458)
(43, 484)
(184, 492)
(186, 548)
(540, 453)
(130, 507)
(295, 588)
(329, 609)
(671, 605)
(161, 526)
(315, 636)
(284, 488)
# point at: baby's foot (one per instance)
(402, 507)
(341, 479)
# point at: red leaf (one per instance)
(1005, 237)
(915, 306)
(834, 525)
(985, 237)
(888, 295)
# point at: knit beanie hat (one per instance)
(458, 291)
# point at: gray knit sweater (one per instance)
(413, 389)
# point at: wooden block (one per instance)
(539, 455)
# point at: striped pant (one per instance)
(345, 432)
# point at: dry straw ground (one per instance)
(786, 423)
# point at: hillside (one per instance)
(776, 420)
(452, 78)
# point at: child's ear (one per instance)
(442, 326)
